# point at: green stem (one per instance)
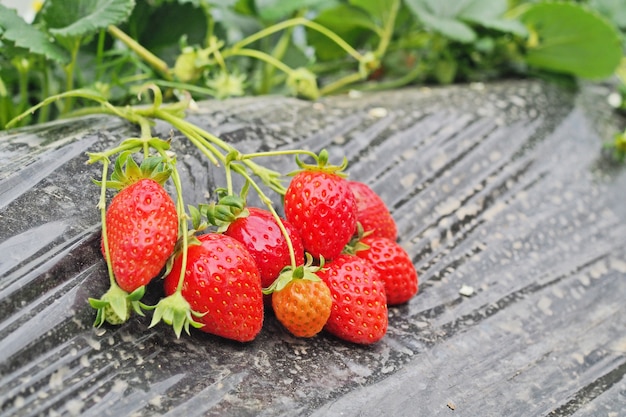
(397, 83)
(22, 65)
(278, 52)
(69, 75)
(210, 22)
(190, 131)
(100, 54)
(6, 110)
(340, 83)
(297, 21)
(229, 179)
(182, 216)
(388, 29)
(262, 56)
(155, 62)
(44, 114)
(102, 207)
(187, 87)
(277, 153)
(204, 141)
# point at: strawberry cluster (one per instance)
(330, 264)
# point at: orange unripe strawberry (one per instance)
(303, 306)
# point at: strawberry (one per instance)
(301, 300)
(223, 284)
(372, 212)
(394, 267)
(139, 232)
(142, 229)
(319, 203)
(260, 234)
(359, 310)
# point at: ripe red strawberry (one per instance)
(323, 209)
(372, 212)
(222, 282)
(303, 306)
(359, 311)
(142, 229)
(260, 234)
(393, 265)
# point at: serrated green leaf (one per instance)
(273, 10)
(76, 18)
(451, 17)
(488, 13)
(502, 25)
(442, 17)
(572, 39)
(15, 30)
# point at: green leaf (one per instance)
(451, 17)
(442, 17)
(378, 10)
(488, 13)
(14, 29)
(273, 10)
(572, 39)
(76, 18)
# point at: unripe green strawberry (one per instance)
(359, 312)
(142, 229)
(393, 265)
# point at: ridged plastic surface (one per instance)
(498, 187)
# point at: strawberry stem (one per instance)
(174, 310)
(102, 207)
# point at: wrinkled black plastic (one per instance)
(499, 187)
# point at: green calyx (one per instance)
(116, 305)
(288, 274)
(126, 170)
(321, 164)
(303, 83)
(226, 210)
(355, 245)
(175, 311)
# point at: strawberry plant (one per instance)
(218, 259)
(307, 48)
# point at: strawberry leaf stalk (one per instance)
(175, 310)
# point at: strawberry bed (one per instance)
(499, 189)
